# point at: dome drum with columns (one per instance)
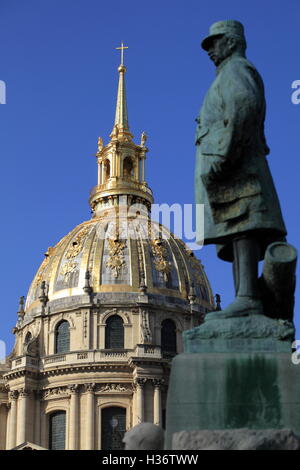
(103, 316)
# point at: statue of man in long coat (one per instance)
(242, 214)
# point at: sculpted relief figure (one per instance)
(242, 214)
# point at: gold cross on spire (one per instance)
(122, 52)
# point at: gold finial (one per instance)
(122, 52)
(121, 127)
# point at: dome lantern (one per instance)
(121, 163)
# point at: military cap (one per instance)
(229, 27)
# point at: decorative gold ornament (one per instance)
(143, 139)
(160, 254)
(77, 244)
(116, 258)
(115, 132)
(39, 278)
(100, 144)
(146, 335)
(68, 268)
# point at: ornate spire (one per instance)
(121, 125)
(121, 163)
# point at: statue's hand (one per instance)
(216, 168)
(216, 171)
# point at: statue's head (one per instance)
(144, 436)
(224, 39)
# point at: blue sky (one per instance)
(59, 63)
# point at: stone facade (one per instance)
(89, 377)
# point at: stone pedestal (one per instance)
(235, 373)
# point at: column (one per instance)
(73, 423)
(13, 396)
(102, 172)
(90, 413)
(113, 164)
(95, 330)
(4, 408)
(22, 414)
(44, 425)
(157, 415)
(143, 170)
(118, 160)
(99, 173)
(37, 420)
(139, 382)
(139, 170)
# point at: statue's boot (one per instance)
(245, 273)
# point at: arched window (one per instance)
(168, 337)
(57, 430)
(114, 333)
(28, 337)
(127, 167)
(106, 170)
(62, 337)
(113, 427)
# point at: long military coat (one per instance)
(232, 176)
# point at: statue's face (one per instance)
(219, 49)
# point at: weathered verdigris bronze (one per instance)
(236, 370)
(232, 177)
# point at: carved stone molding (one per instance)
(104, 315)
(3, 388)
(127, 317)
(63, 316)
(140, 381)
(118, 368)
(55, 392)
(74, 388)
(113, 388)
(146, 334)
(89, 387)
(13, 395)
(158, 383)
(24, 393)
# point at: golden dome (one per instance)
(119, 252)
(160, 265)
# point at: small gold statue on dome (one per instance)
(143, 139)
(100, 144)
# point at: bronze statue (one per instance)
(242, 214)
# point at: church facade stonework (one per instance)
(103, 317)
